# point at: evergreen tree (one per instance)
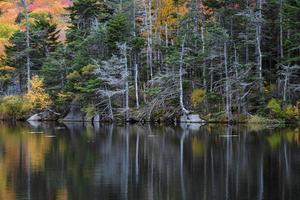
(85, 15)
(44, 39)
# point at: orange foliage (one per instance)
(168, 14)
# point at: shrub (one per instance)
(14, 107)
(90, 111)
(274, 106)
(197, 97)
(291, 112)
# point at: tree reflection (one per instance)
(147, 162)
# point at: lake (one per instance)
(152, 162)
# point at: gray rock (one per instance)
(191, 118)
(75, 114)
(43, 116)
(96, 118)
(35, 117)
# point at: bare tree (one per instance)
(114, 73)
(288, 72)
(227, 85)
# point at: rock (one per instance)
(43, 116)
(96, 118)
(35, 117)
(191, 118)
(75, 114)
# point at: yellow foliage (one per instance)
(166, 15)
(73, 76)
(197, 97)
(87, 70)
(7, 68)
(291, 111)
(37, 96)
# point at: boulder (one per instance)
(43, 116)
(96, 118)
(35, 117)
(75, 114)
(191, 118)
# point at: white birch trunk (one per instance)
(184, 110)
(227, 85)
(136, 86)
(281, 29)
(126, 84)
(149, 42)
(135, 60)
(258, 44)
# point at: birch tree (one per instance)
(258, 24)
(181, 72)
(227, 85)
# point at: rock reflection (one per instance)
(148, 162)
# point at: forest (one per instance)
(150, 60)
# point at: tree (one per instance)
(56, 68)
(118, 31)
(43, 40)
(37, 96)
(114, 74)
(86, 14)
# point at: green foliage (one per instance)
(291, 16)
(55, 69)
(83, 82)
(274, 106)
(137, 43)
(84, 15)
(117, 32)
(43, 40)
(153, 91)
(89, 110)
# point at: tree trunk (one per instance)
(149, 40)
(258, 44)
(136, 86)
(184, 110)
(135, 60)
(126, 84)
(25, 7)
(227, 85)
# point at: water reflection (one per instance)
(77, 161)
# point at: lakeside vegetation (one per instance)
(153, 60)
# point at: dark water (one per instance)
(73, 161)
